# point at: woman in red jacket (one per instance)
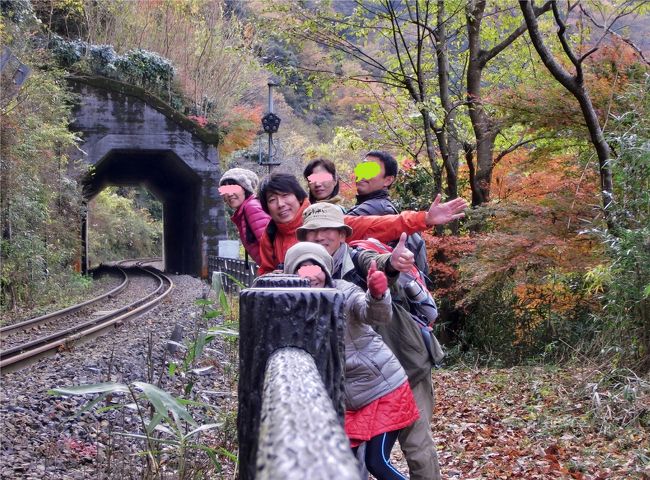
(249, 217)
(282, 197)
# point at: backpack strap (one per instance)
(357, 279)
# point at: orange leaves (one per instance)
(347, 188)
(240, 127)
(444, 254)
(554, 180)
(521, 285)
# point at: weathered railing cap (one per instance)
(281, 311)
(280, 280)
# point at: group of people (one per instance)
(388, 385)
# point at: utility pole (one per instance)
(270, 124)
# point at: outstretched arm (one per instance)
(387, 228)
(441, 213)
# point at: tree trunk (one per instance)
(575, 85)
(469, 159)
(600, 144)
(428, 137)
(485, 129)
(447, 136)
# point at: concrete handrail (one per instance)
(300, 433)
(291, 346)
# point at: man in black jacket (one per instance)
(373, 198)
(416, 441)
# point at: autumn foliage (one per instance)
(516, 279)
(240, 128)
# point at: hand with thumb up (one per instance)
(377, 281)
(402, 259)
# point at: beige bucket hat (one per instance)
(322, 215)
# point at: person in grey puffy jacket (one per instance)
(379, 402)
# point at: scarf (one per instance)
(337, 260)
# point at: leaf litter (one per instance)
(537, 423)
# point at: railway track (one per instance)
(25, 353)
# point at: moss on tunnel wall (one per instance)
(209, 136)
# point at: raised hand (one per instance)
(377, 281)
(402, 259)
(441, 213)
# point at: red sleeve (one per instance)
(266, 254)
(257, 218)
(386, 228)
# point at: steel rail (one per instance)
(14, 358)
(59, 313)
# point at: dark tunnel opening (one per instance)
(177, 187)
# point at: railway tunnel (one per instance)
(175, 185)
(130, 138)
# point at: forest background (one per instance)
(539, 116)
(553, 259)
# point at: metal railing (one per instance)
(244, 272)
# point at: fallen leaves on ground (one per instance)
(530, 423)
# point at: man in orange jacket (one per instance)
(284, 200)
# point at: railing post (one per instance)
(273, 317)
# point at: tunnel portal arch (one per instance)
(130, 138)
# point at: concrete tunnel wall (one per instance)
(129, 142)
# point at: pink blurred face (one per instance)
(379, 182)
(321, 183)
(233, 195)
(312, 272)
(283, 207)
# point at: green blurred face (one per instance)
(379, 182)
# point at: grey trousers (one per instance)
(416, 441)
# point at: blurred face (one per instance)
(233, 195)
(283, 207)
(379, 182)
(321, 183)
(330, 238)
(312, 272)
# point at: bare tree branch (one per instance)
(608, 29)
(518, 144)
(486, 55)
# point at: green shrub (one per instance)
(118, 229)
(625, 281)
(139, 67)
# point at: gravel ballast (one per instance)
(42, 437)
